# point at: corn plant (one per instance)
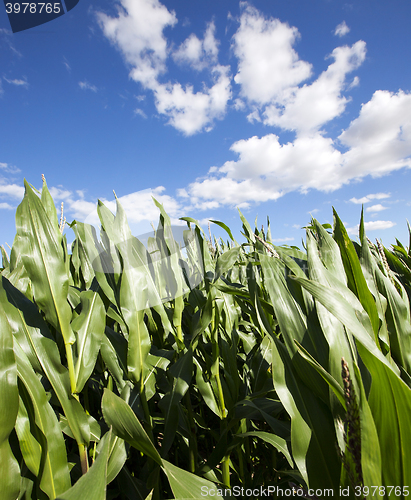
(132, 370)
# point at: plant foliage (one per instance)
(121, 379)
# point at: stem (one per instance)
(193, 440)
(70, 365)
(82, 448)
(225, 463)
(149, 425)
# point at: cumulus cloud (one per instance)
(272, 89)
(190, 111)
(13, 190)
(198, 53)
(308, 108)
(267, 169)
(342, 29)
(268, 65)
(376, 208)
(137, 32)
(379, 140)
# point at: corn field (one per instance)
(201, 368)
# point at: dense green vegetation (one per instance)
(281, 368)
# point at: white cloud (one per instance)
(137, 32)
(18, 82)
(266, 170)
(9, 169)
(87, 86)
(372, 226)
(190, 111)
(379, 140)
(268, 65)
(369, 197)
(13, 190)
(59, 193)
(6, 206)
(342, 29)
(198, 53)
(376, 208)
(139, 207)
(140, 112)
(67, 65)
(308, 108)
(282, 240)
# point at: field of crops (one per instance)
(197, 368)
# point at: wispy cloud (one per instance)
(140, 112)
(9, 169)
(87, 86)
(67, 65)
(18, 82)
(342, 29)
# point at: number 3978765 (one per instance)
(33, 8)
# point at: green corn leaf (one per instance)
(9, 395)
(352, 318)
(92, 485)
(226, 261)
(187, 485)
(117, 457)
(10, 470)
(224, 226)
(181, 372)
(398, 321)
(352, 266)
(4, 257)
(95, 259)
(206, 390)
(89, 328)
(312, 428)
(44, 451)
(390, 404)
(118, 414)
(43, 257)
(331, 381)
(10, 473)
(370, 445)
(34, 337)
(49, 206)
(278, 443)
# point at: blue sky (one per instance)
(281, 108)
